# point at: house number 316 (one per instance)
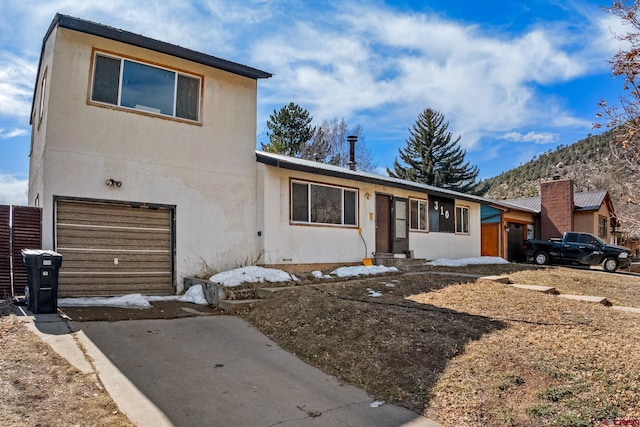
(443, 212)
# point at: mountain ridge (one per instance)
(592, 166)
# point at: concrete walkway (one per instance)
(211, 370)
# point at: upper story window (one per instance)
(418, 214)
(323, 204)
(43, 90)
(131, 84)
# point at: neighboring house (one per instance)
(557, 210)
(143, 161)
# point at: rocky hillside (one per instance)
(590, 163)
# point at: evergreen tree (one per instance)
(290, 129)
(432, 158)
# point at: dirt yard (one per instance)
(461, 351)
(472, 353)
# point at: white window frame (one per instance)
(176, 73)
(309, 184)
(43, 89)
(423, 204)
(460, 210)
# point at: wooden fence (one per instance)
(20, 228)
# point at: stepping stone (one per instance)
(498, 279)
(543, 289)
(587, 298)
(266, 292)
(235, 305)
(627, 309)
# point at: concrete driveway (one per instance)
(219, 370)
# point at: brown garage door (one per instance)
(114, 249)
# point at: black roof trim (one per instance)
(368, 178)
(93, 28)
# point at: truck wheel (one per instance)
(541, 258)
(610, 264)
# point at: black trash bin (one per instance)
(42, 280)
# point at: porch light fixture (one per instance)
(112, 182)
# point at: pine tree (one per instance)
(432, 158)
(290, 129)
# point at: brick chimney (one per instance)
(556, 207)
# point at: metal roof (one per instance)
(529, 204)
(588, 201)
(111, 33)
(302, 165)
(93, 28)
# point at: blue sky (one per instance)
(513, 78)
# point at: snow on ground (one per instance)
(252, 274)
(193, 295)
(229, 278)
(463, 262)
(362, 270)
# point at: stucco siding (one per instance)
(207, 171)
(287, 243)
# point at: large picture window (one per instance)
(323, 204)
(131, 84)
(418, 214)
(462, 219)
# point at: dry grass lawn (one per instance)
(462, 351)
(620, 289)
(40, 388)
(470, 353)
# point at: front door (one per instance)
(383, 223)
(392, 224)
(515, 242)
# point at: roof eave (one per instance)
(347, 174)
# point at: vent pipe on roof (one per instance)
(352, 139)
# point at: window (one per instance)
(602, 226)
(323, 204)
(43, 88)
(418, 214)
(130, 84)
(462, 219)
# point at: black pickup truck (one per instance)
(580, 249)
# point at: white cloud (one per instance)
(13, 191)
(367, 62)
(7, 134)
(17, 77)
(375, 61)
(535, 137)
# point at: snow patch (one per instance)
(463, 262)
(362, 270)
(318, 275)
(194, 294)
(125, 301)
(251, 274)
(374, 294)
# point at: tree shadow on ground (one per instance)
(393, 348)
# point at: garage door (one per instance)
(114, 249)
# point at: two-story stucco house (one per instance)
(143, 160)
